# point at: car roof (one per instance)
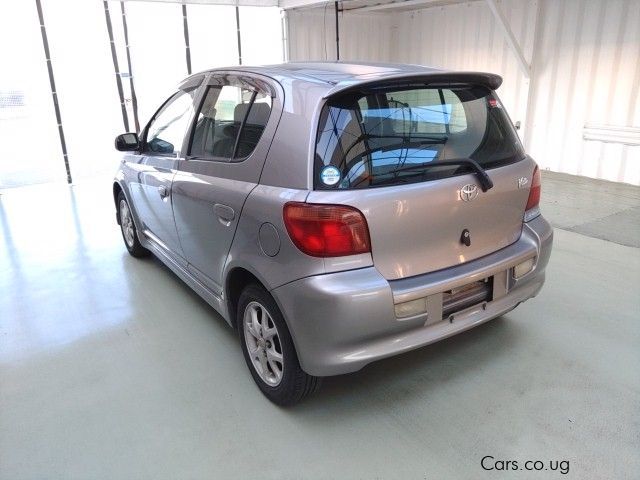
(339, 76)
(332, 72)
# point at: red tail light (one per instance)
(327, 230)
(534, 193)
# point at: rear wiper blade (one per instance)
(485, 181)
(404, 141)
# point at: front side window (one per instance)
(168, 127)
(389, 137)
(230, 122)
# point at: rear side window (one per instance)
(230, 122)
(390, 137)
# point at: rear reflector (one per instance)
(523, 268)
(411, 308)
(327, 230)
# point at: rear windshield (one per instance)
(390, 137)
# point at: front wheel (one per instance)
(128, 228)
(269, 351)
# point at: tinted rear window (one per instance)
(390, 137)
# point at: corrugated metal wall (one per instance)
(312, 35)
(585, 60)
(587, 70)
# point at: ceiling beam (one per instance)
(289, 4)
(403, 4)
(234, 3)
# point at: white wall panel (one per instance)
(363, 37)
(212, 36)
(585, 66)
(156, 40)
(261, 32)
(27, 117)
(587, 71)
(85, 84)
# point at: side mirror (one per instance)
(127, 142)
(517, 125)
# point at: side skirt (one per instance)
(160, 251)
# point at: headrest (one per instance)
(258, 115)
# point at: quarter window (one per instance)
(230, 122)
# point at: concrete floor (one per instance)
(111, 368)
(606, 210)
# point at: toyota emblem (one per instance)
(468, 192)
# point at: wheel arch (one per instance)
(238, 276)
(236, 280)
(116, 189)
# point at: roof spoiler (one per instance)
(362, 83)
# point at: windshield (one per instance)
(389, 137)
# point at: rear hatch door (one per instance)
(378, 150)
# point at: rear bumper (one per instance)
(342, 321)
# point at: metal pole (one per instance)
(531, 83)
(134, 99)
(285, 35)
(186, 37)
(114, 57)
(54, 94)
(239, 40)
(337, 32)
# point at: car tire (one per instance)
(267, 344)
(128, 228)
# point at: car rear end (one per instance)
(426, 180)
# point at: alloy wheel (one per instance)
(263, 344)
(126, 223)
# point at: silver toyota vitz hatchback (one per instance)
(336, 213)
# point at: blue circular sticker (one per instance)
(330, 175)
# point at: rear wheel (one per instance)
(269, 351)
(128, 228)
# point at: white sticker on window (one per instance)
(330, 175)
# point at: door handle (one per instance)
(225, 213)
(163, 191)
